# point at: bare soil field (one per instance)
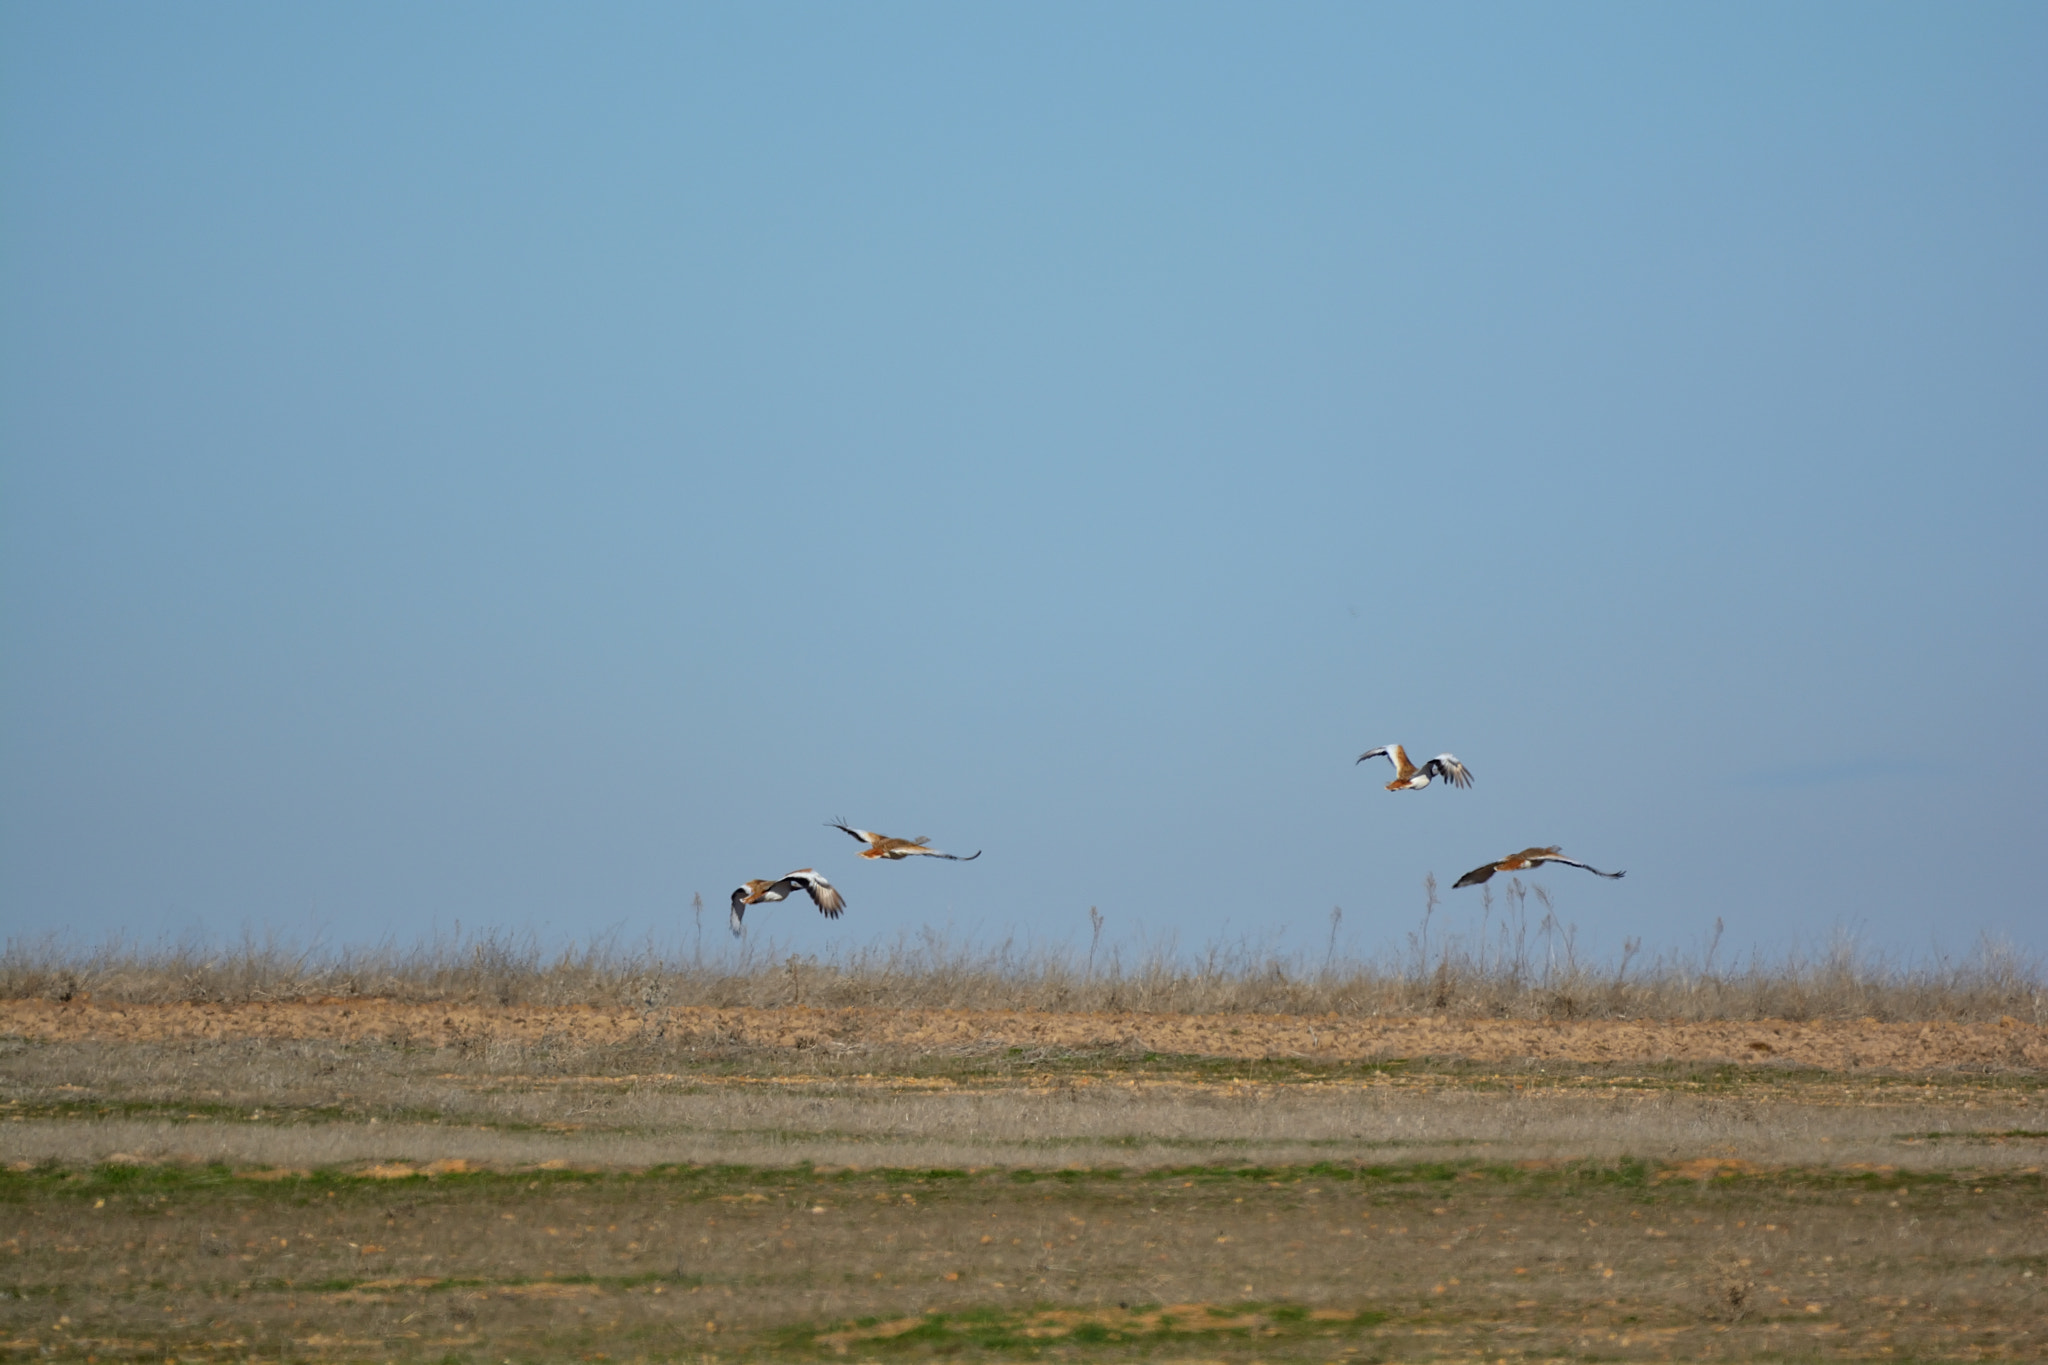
(1399, 1263)
(353, 1180)
(1835, 1045)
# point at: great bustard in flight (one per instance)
(882, 846)
(1528, 857)
(822, 893)
(1409, 778)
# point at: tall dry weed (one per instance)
(1506, 968)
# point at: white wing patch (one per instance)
(1448, 767)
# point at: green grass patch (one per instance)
(1977, 1135)
(53, 1181)
(1044, 1331)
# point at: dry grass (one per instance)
(1502, 968)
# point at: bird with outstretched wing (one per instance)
(882, 846)
(822, 893)
(1527, 858)
(1410, 778)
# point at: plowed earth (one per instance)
(1830, 1045)
(342, 1180)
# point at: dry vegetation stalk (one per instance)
(1503, 968)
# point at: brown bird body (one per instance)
(1527, 858)
(1409, 778)
(882, 846)
(822, 893)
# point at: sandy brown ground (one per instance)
(346, 1085)
(1832, 1045)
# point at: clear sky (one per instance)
(527, 464)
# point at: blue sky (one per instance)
(526, 465)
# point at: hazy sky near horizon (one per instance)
(526, 464)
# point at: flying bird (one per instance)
(1408, 777)
(822, 893)
(1528, 857)
(882, 846)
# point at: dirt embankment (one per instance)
(1845, 1045)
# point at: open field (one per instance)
(478, 1183)
(1400, 1261)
